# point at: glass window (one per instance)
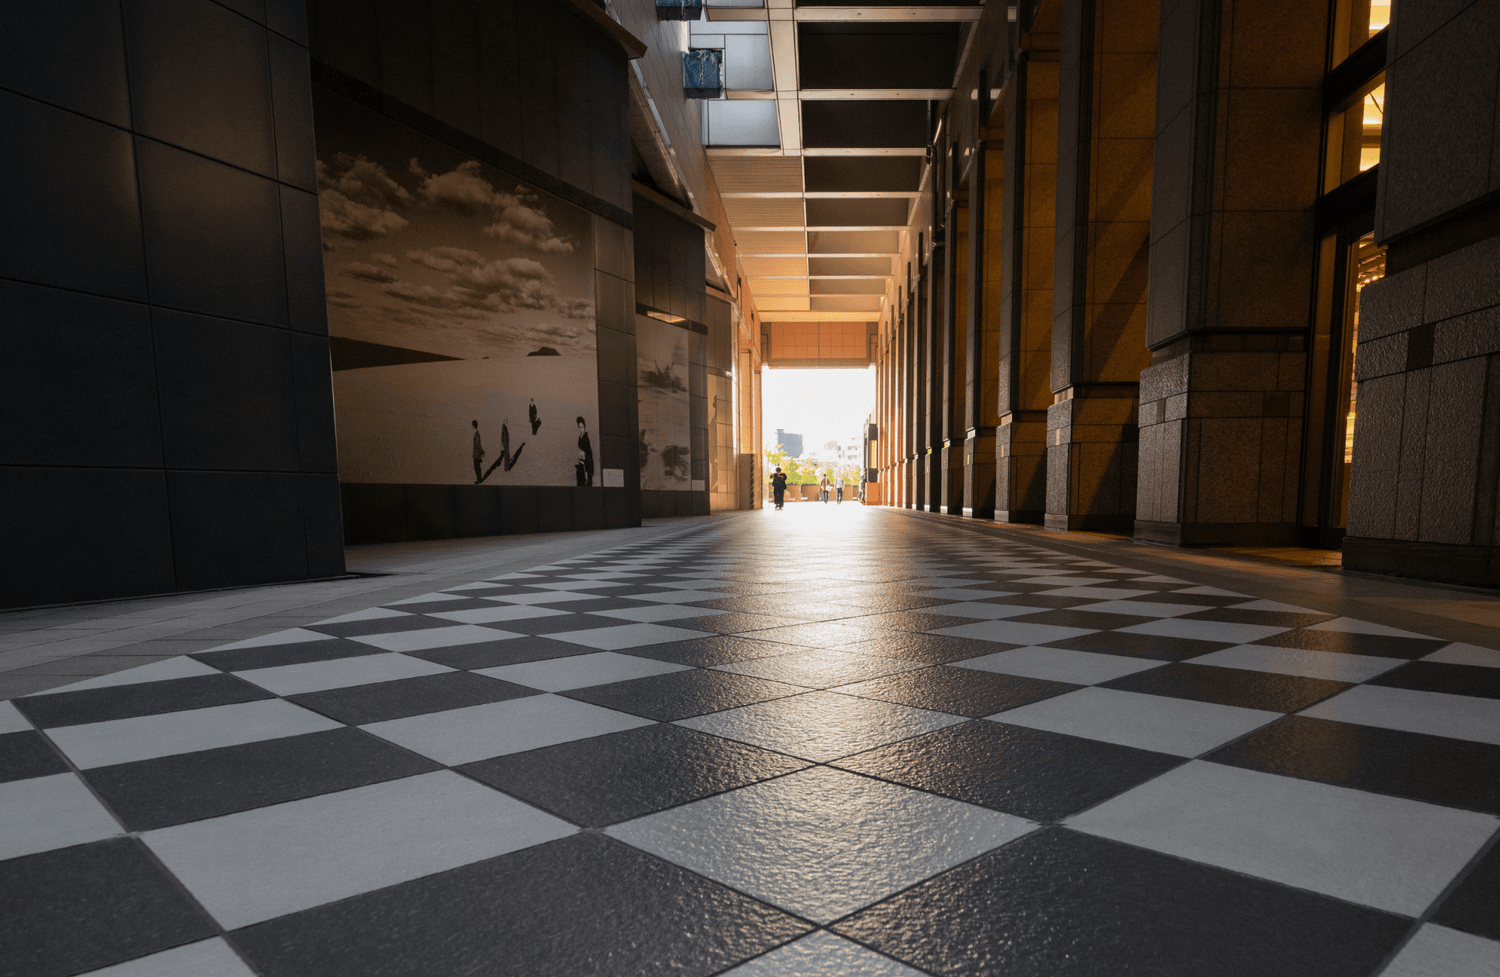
(1355, 22)
(1354, 135)
(1366, 264)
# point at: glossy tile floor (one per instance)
(823, 741)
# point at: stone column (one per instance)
(979, 239)
(1232, 258)
(1106, 107)
(1023, 282)
(939, 322)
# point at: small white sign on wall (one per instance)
(614, 478)
(698, 485)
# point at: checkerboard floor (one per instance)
(824, 741)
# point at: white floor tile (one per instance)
(489, 586)
(45, 813)
(182, 667)
(1059, 665)
(1386, 852)
(1349, 625)
(989, 612)
(1462, 654)
(290, 636)
(1064, 580)
(518, 576)
(804, 841)
(1437, 951)
(627, 636)
(1015, 632)
(210, 958)
(145, 737)
(256, 865)
(1205, 630)
(659, 612)
(601, 575)
(459, 634)
(1462, 717)
(571, 585)
(1207, 591)
(432, 598)
(11, 720)
(580, 671)
(340, 673)
(368, 614)
(1181, 727)
(964, 593)
(545, 597)
(820, 726)
(497, 728)
(1100, 593)
(1295, 661)
(1139, 608)
(1274, 605)
(500, 612)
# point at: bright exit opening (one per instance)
(813, 421)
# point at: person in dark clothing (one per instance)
(778, 487)
(585, 466)
(536, 422)
(478, 455)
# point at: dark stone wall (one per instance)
(535, 90)
(166, 418)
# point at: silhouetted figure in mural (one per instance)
(585, 466)
(478, 455)
(506, 458)
(645, 450)
(536, 422)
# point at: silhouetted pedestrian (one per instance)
(778, 487)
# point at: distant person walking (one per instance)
(478, 455)
(838, 483)
(778, 487)
(823, 487)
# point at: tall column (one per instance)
(1106, 112)
(1232, 257)
(980, 234)
(938, 323)
(1028, 195)
(955, 415)
(922, 374)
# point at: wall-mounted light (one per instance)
(703, 74)
(679, 9)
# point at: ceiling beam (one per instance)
(871, 15)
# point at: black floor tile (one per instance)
(1376, 645)
(143, 699)
(1140, 645)
(1443, 677)
(87, 907)
(582, 905)
(429, 608)
(510, 651)
(1061, 904)
(1171, 596)
(208, 783)
(819, 635)
(1474, 907)
(679, 695)
(556, 624)
(1434, 769)
(867, 604)
(273, 656)
(960, 691)
(412, 621)
(717, 649)
(914, 621)
(1094, 621)
(933, 649)
(362, 704)
(27, 754)
(818, 669)
(1271, 619)
(1230, 686)
(607, 779)
(1034, 774)
(732, 623)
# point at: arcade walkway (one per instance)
(825, 741)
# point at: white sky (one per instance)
(820, 405)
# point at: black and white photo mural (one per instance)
(460, 313)
(666, 436)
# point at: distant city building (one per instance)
(790, 443)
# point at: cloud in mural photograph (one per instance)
(662, 355)
(460, 313)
